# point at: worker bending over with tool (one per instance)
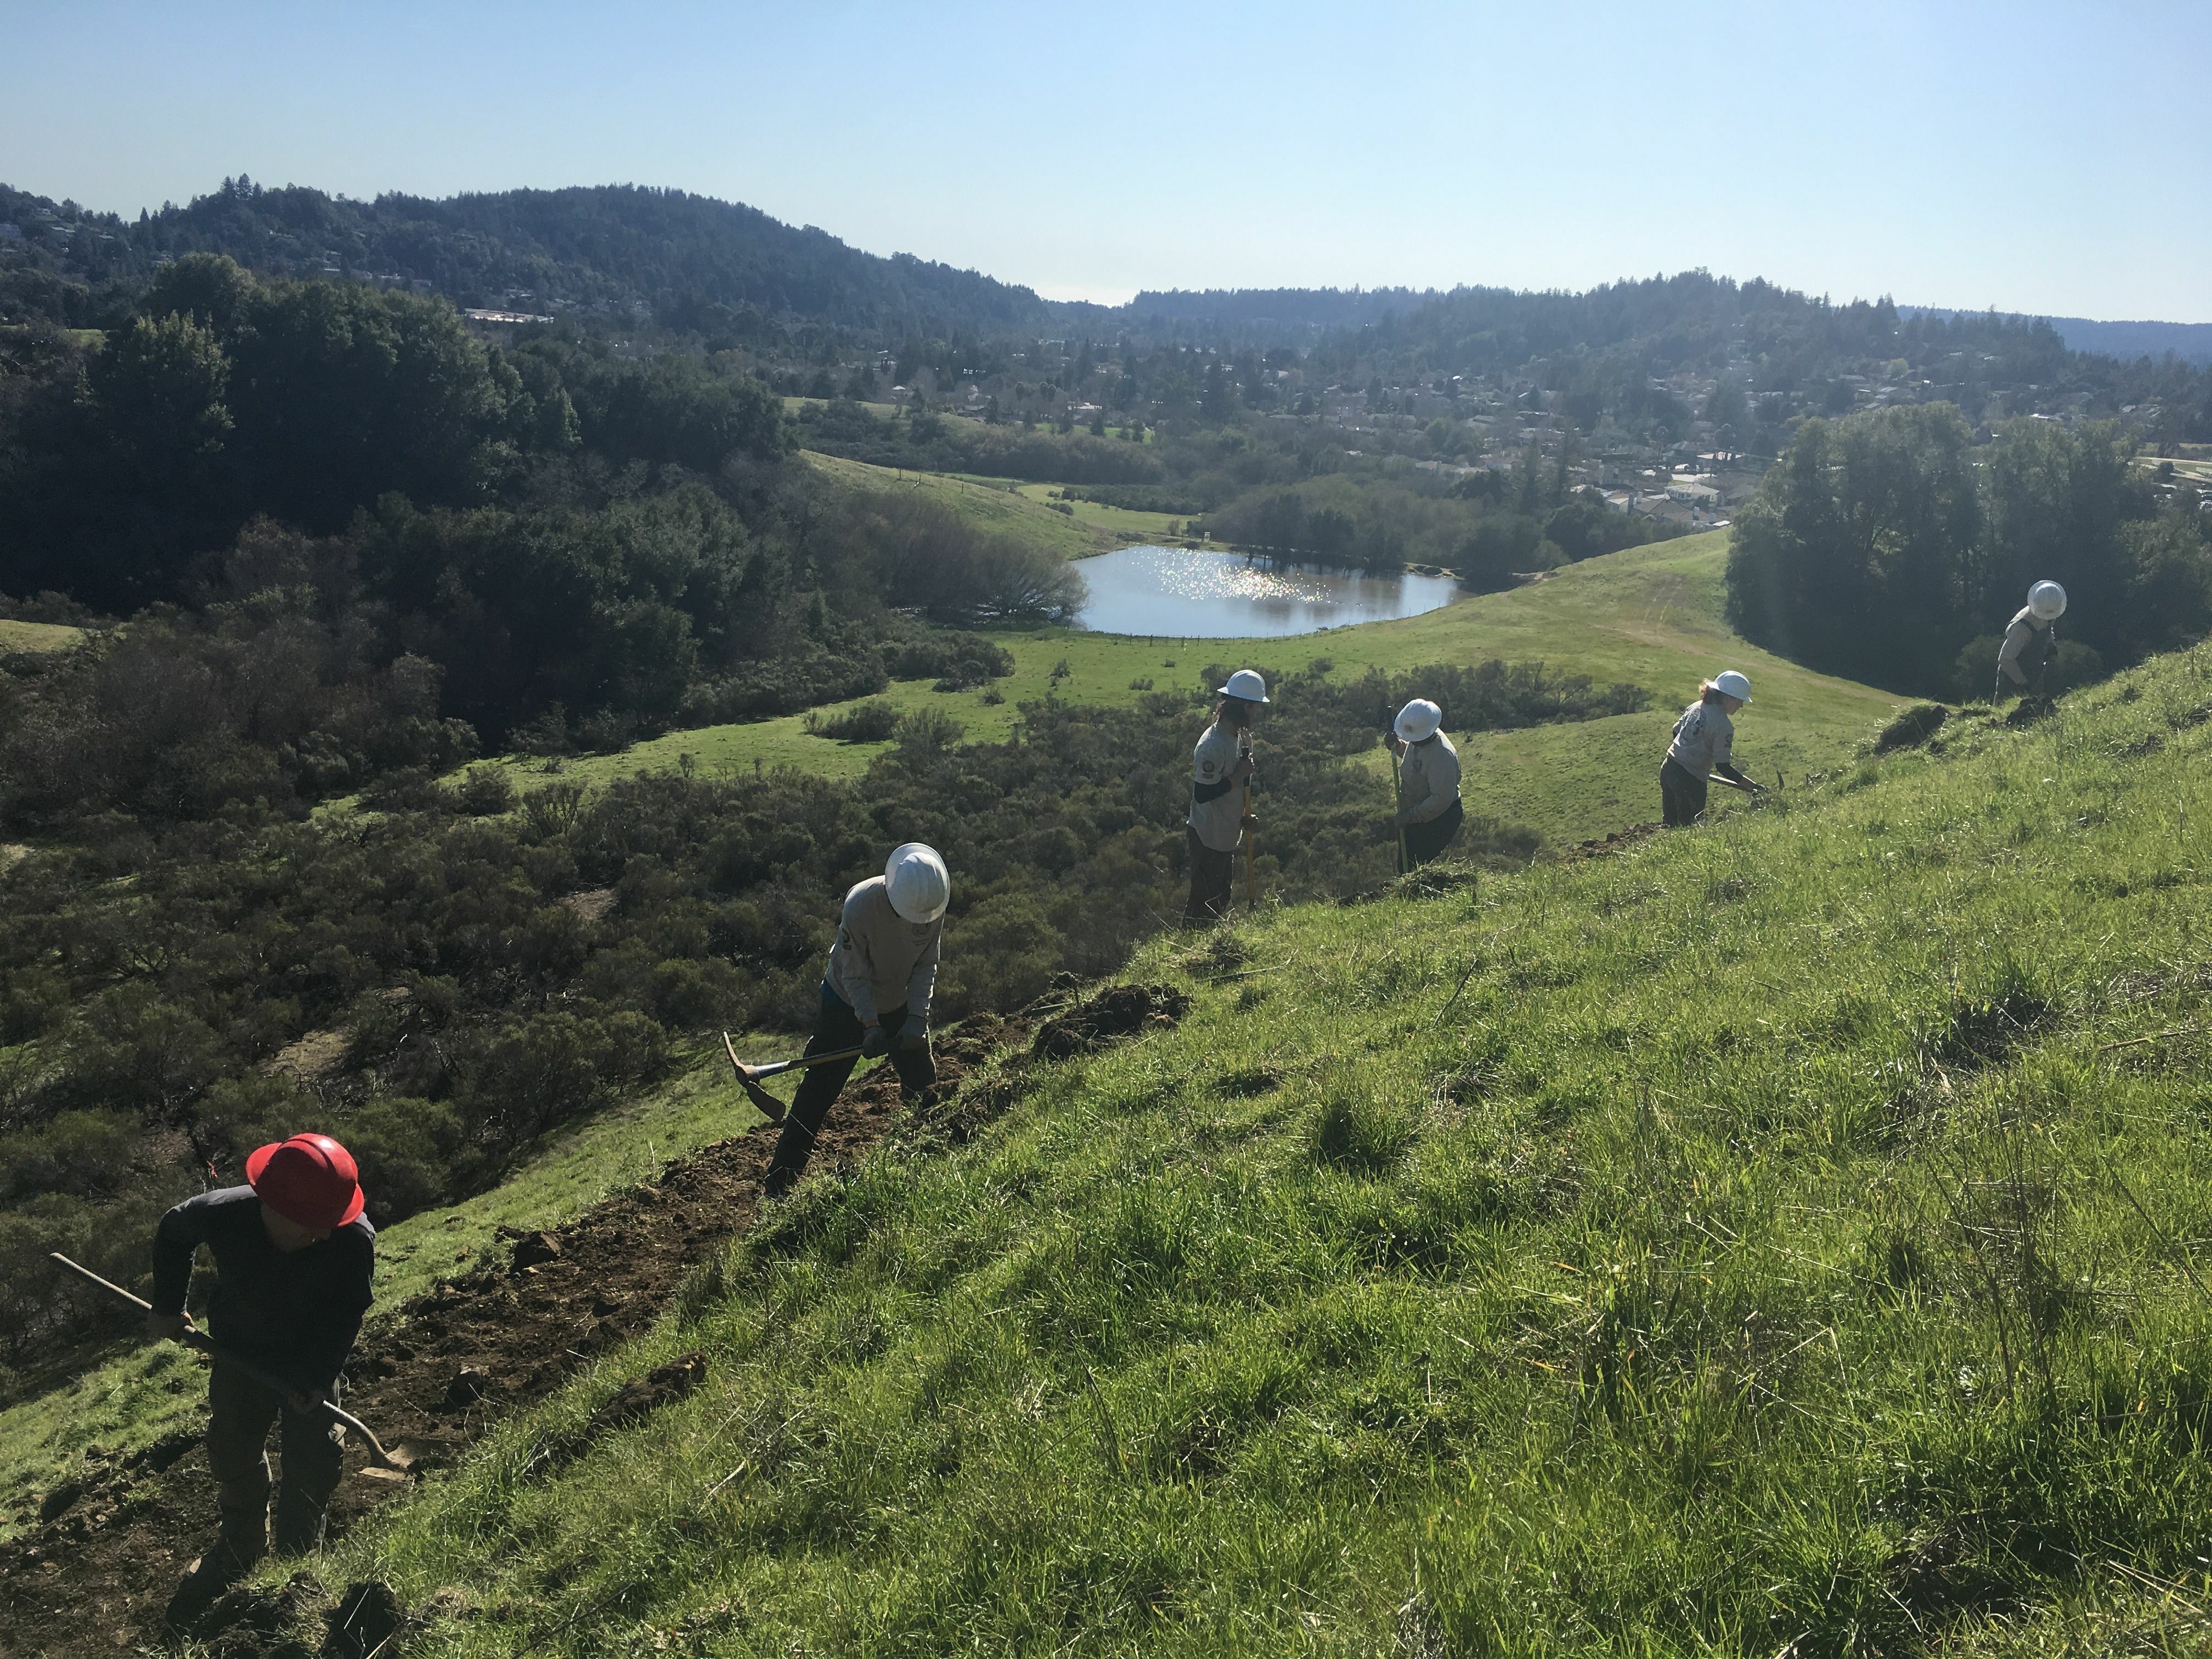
(2037, 618)
(1221, 767)
(875, 996)
(293, 1255)
(1701, 752)
(1428, 809)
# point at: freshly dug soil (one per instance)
(436, 1375)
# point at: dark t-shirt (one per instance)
(295, 1312)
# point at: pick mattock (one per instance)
(750, 1077)
(1251, 840)
(400, 1459)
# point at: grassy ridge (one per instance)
(1651, 615)
(1783, 1243)
(1002, 507)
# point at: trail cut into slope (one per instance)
(1779, 1237)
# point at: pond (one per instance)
(1181, 592)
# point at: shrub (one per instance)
(869, 723)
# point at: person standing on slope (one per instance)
(1703, 740)
(294, 1255)
(2046, 603)
(1219, 767)
(875, 996)
(1428, 809)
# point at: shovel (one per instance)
(397, 1463)
(750, 1077)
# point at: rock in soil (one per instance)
(532, 1249)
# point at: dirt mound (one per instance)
(1614, 841)
(1114, 1012)
(444, 1367)
(642, 1396)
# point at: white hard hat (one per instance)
(916, 879)
(1418, 721)
(1730, 683)
(2047, 600)
(1246, 684)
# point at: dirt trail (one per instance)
(448, 1364)
(94, 1578)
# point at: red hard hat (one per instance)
(309, 1179)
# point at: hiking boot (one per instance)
(222, 1567)
(299, 1530)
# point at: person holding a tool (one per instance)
(875, 996)
(1701, 752)
(1428, 809)
(1221, 767)
(2046, 603)
(294, 1255)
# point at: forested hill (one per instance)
(691, 262)
(2190, 342)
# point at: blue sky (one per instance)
(2044, 158)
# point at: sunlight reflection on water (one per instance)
(1184, 593)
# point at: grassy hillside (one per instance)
(1652, 614)
(1002, 507)
(1785, 1241)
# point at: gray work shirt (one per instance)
(881, 959)
(1219, 822)
(2018, 632)
(1428, 779)
(1703, 740)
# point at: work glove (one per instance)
(914, 1034)
(875, 1043)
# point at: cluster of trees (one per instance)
(1488, 529)
(565, 533)
(1888, 547)
(478, 969)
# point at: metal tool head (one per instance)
(749, 1080)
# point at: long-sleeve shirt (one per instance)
(1703, 740)
(1217, 806)
(1428, 779)
(292, 1312)
(2018, 632)
(881, 960)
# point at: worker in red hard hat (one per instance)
(293, 1255)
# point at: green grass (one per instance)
(1002, 507)
(144, 1393)
(1650, 616)
(37, 636)
(1788, 1242)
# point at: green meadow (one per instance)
(1650, 616)
(1784, 1237)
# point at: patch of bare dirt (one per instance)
(591, 906)
(1615, 841)
(311, 1059)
